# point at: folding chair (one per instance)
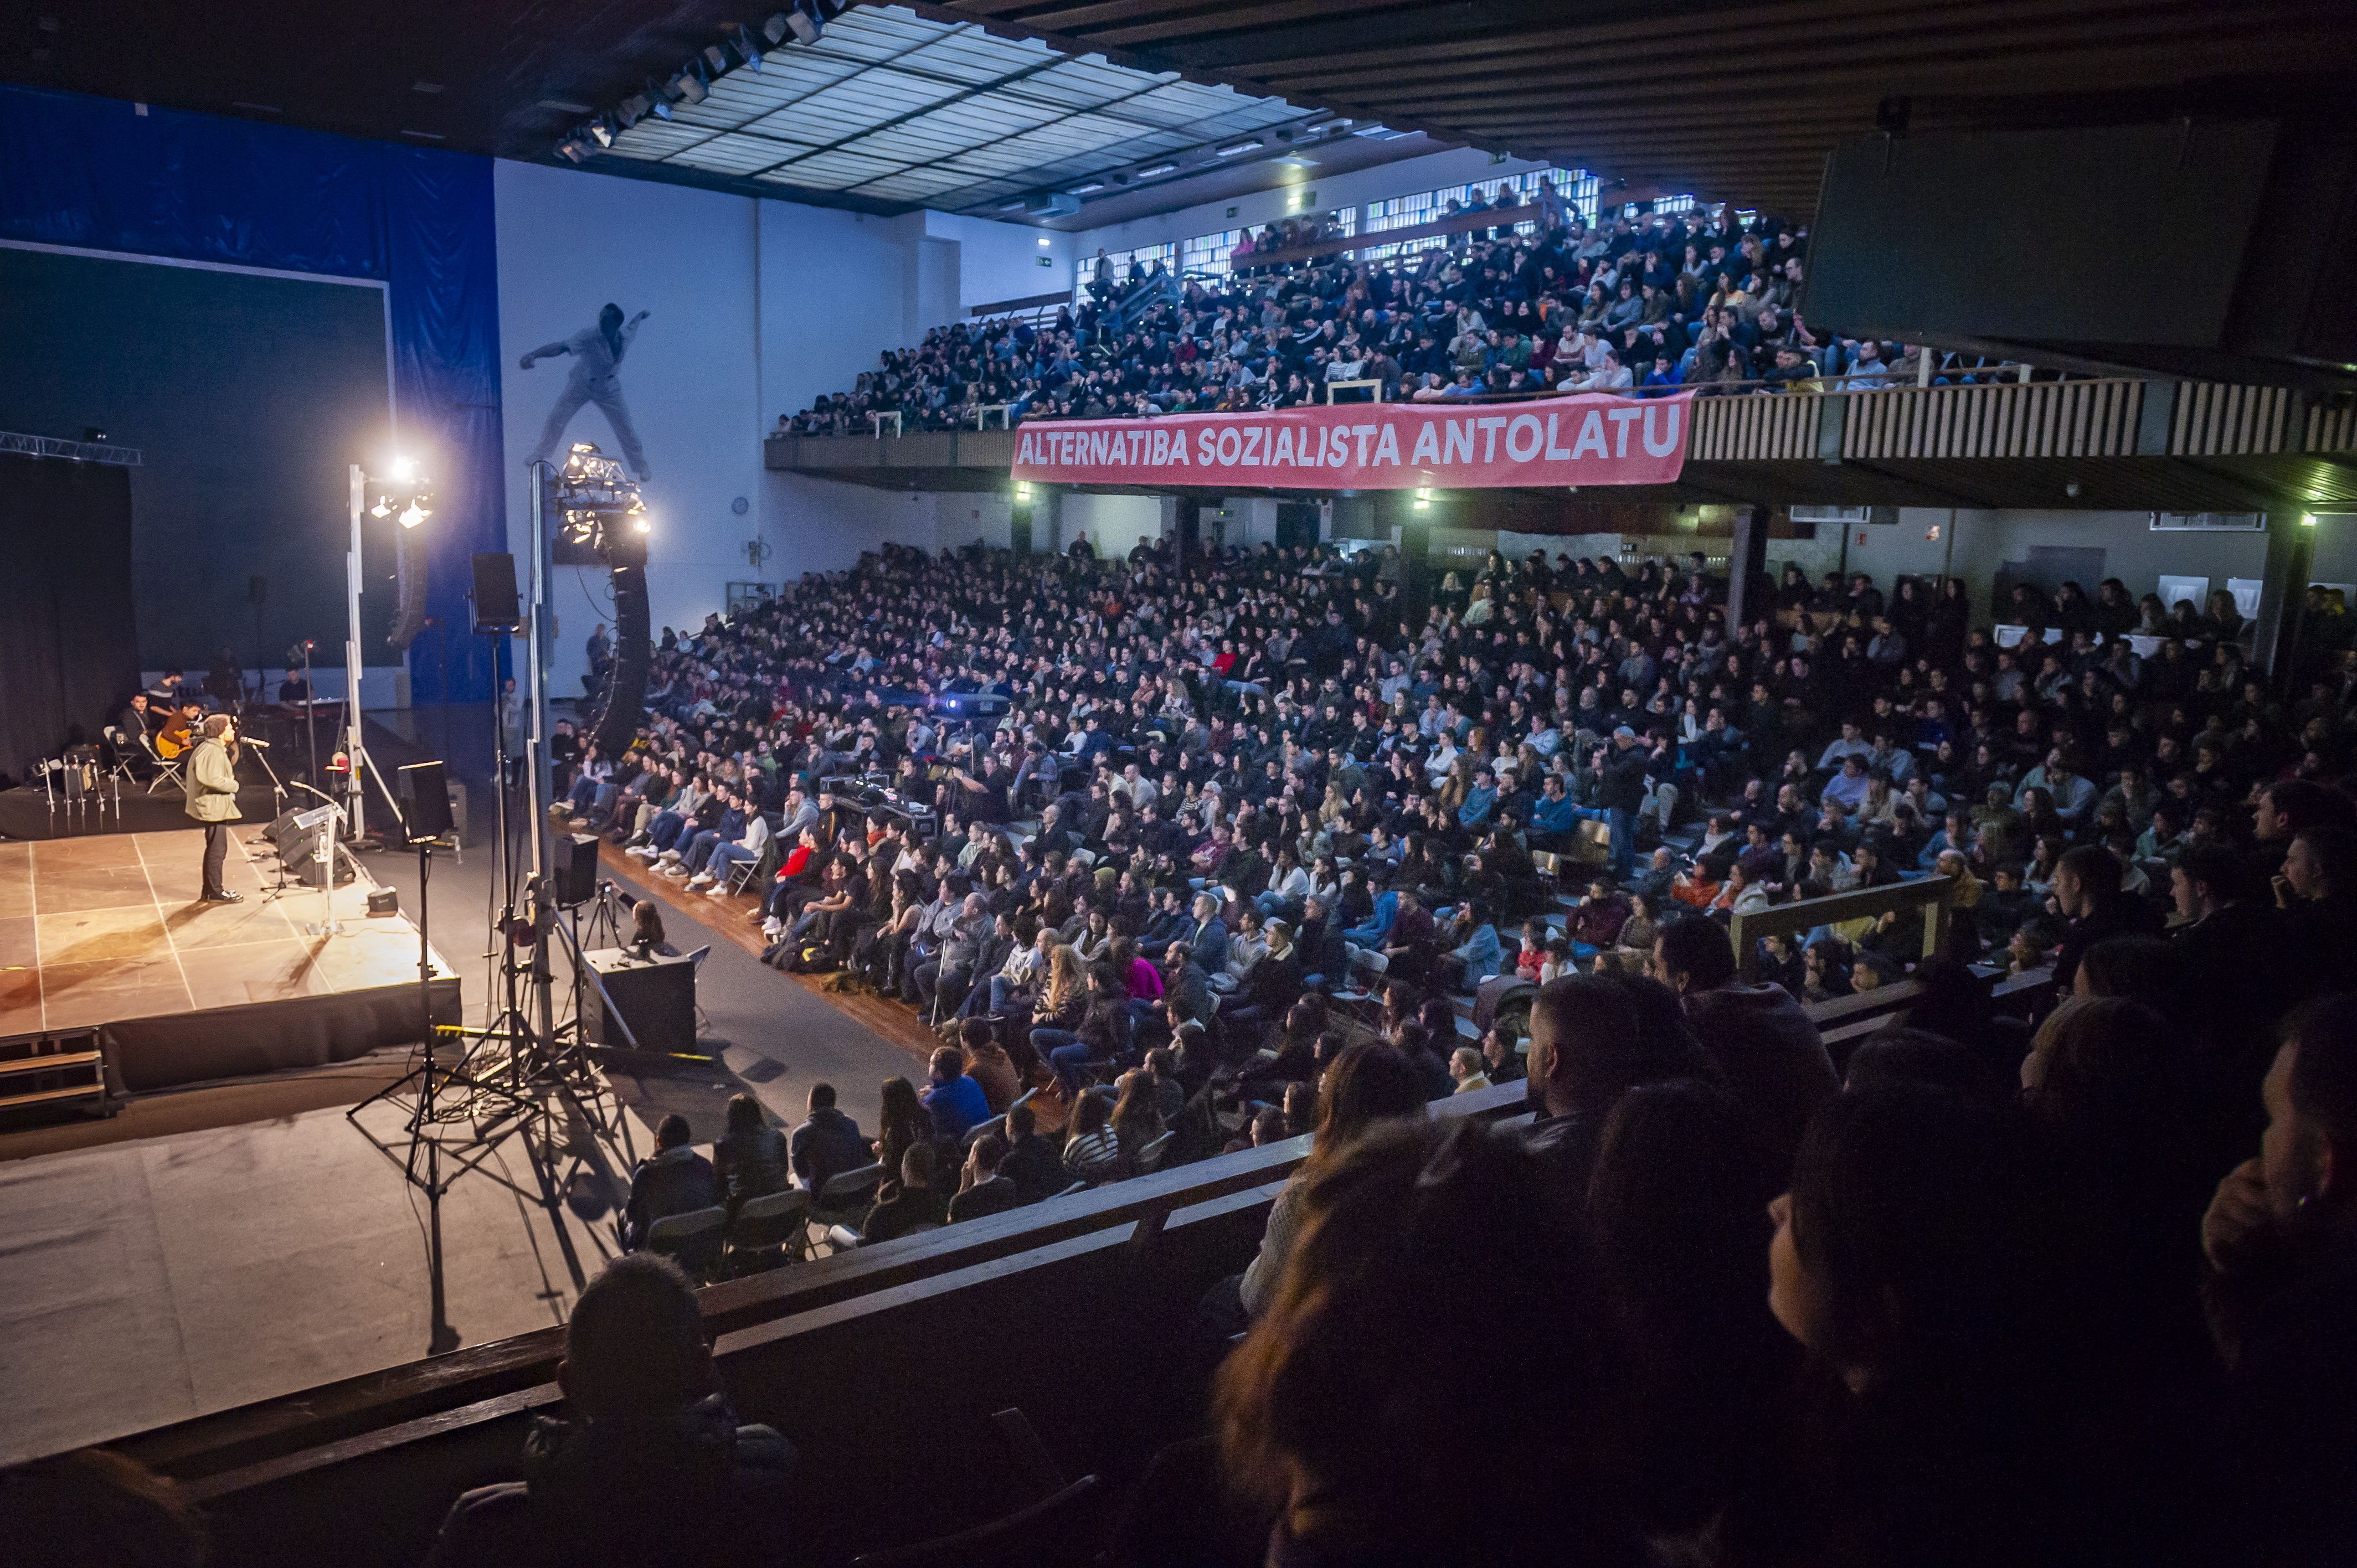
(693, 1241)
(846, 1197)
(1150, 1157)
(769, 1231)
(740, 875)
(164, 770)
(120, 750)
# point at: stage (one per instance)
(28, 813)
(107, 930)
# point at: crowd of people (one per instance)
(2076, 1288)
(1644, 305)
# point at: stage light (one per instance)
(716, 60)
(749, 49)
(403, 469)
(413, 515)
(687, 87)
(384, 508)
(774, 29)
(602, 129)
(806, 22)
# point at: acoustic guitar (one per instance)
(176, 737)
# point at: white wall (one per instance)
(1409, 177)
(758, 309)
(568, 243)
(1985, 541)
(1114, 524)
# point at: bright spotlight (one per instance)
(384, 508)
(404, 469)
(2307, 520)
(642, 522)
(413, 515)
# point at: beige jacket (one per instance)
(211, 782)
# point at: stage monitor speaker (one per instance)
(656, 999)
(283, 833)
(576, 869)
(428, 792)
(302, 860)
(497, 607)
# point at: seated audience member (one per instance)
(916, 1203)
(648, 1464)
(1093, 1151)
(828, 1143)
(980, 1188)
(1759, 1036)
(1369, 1388)
(675, 1179)
(1464, 1069)
(956, 1103)
(1368, 1083)
(2280, 1292)
(987, 1065)
(1910, 1264)
(1701, 1412)
(2087, 890)
(750, 1157)
(1031, 1161)
(1591, 1042)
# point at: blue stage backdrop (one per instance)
(96, 173)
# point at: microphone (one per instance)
(249, 740)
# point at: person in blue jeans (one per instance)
(1104, 1032)
(1621, 767)
(1378, 925)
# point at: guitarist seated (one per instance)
(179, 732)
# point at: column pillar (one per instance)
(1747, 565)
(1415, 553)
(1189, 520)
(1018, 527)
(2283, 598)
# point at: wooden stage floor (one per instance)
(99, 929)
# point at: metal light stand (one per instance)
(435, 1096)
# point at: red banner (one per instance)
(1590, 439)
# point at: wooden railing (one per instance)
(1081, 1310)
(1930, 895)
(222, 1453)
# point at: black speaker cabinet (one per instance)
(576, 869)
(497, 607)
(655, 996)
(429, 791)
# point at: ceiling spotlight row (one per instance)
(691, 82)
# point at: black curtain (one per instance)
(69, 644)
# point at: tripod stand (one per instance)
(453, 1113)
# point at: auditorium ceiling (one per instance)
(996, 107)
